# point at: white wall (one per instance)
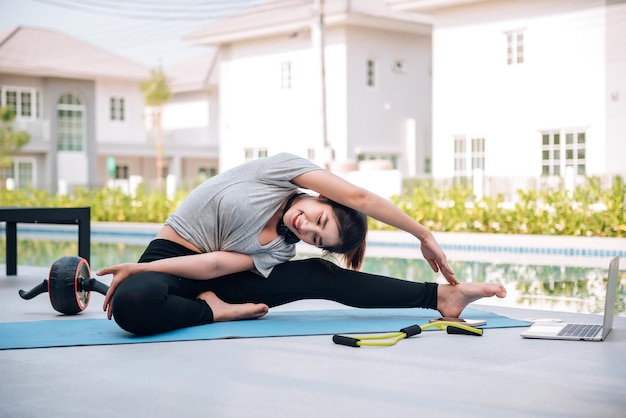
(561, 84)
(377, 117)
(255, 111)
(615, 97)
(131, 130)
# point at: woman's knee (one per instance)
(134, 302)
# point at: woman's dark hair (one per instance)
(352, 232)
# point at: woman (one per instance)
(223, 254)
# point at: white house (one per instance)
(376, 101)
(533, 88)
(79, 103)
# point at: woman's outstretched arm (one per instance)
(341, 191)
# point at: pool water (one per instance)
(558, 288)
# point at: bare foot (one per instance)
(223, 311)
(451, 299)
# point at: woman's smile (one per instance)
(297, 222)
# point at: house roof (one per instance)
(197, 73)
(274, 17)
(45, 52)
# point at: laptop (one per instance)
(582, 332)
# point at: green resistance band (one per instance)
(389, 339)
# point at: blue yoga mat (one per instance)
(66, 332)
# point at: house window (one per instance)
(557, 155)
(70, 124)
(478, 154)
(121, 172)
(371, 73)
(21, 171)
(393, 158)
(551, 154)
(514, 47)
(117, 109)
(460, 161)
(255, 153)
(285, 75)
(466, 163)
(204, 173)
(575, 152)
(23, 101)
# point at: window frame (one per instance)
(469, 156)
(117, 108)
(70, 144)
(564, 148)
(15, 168)
(286, 75)
(33, 108)
(255, 153)
(371, 73)
(515, 46)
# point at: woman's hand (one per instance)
(120, 273)
(437, 259)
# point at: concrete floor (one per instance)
(439, 375)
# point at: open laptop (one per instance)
(582, 332)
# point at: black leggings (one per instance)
(150, 303)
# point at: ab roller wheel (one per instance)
(69, 285)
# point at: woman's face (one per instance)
(313, 221)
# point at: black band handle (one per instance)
(412, 330)
(343, 340)
(454, 330)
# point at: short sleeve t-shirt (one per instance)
(228, 212)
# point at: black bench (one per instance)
(14, 215)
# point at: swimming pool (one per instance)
(551, 273)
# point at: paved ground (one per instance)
(438, 375)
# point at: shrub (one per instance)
(587, 211)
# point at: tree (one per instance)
(156, 91)
(10, 141)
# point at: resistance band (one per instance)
(389, 339)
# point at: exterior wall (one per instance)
(191, 118)
(560, 86)
(615, 98)
(254, 110)
(257, 113)
(337, 97)
(378, 116)
(190, 122)
(129, 131)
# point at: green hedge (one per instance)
(107, 205)
(587, 211)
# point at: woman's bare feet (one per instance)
(452, 299)
(223, 311)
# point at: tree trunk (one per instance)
(159, 149)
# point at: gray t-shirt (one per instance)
(229, 211)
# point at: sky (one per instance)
(148, 32)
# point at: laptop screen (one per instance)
(611, 294)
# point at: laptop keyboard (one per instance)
(580, 330)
